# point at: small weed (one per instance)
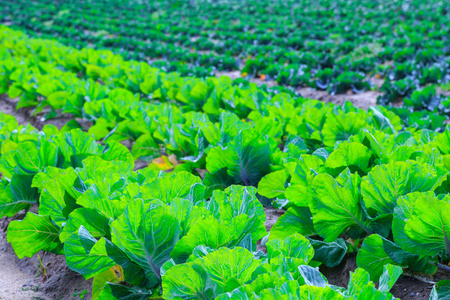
(41, 268)
(446, 87)
(81, 294)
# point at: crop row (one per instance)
(350, 181)
(331, 46)
(136, 232)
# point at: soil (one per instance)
(25, 115)
(14, 284)
(445, 93)
(272, 215)
(232, 74)
(362, 100)
(8, 106)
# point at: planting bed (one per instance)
(224, 150)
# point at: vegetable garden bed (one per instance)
(159, 185)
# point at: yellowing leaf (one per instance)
(161, 163)
(115, 274)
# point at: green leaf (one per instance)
(187, 214)
(273, 184)
(85, 255)
(205, 278)
(341, 127)
(246, 158)
(223, 133)
(8, 205)
(212, 233)
(57, 100)
(388, 252)
(386, 120)
(384, 184)
(338, 208)
(425, 265)
(146, 236)
(96, 197)
(312, 276)
(188, 281)
(28, 158)
(295, 246)
(56, 186)
(358, 279)
(218, 180)
(372, 256)
(52, 202)
(76, 145)
(17, 195)
(389, 277)
(117, 291)
(361, 287)
(74, 104)
(319, 293)
(33, 234)
(294, 220)
(441, 290)
(404, 250)
(262, 282)
(145, 148)
(95, 169)
(404, 211)
(70, 125)
(331, 254)
(442, 141)
(117, 151)
(234, 201)
(302, 174)
(429, 226)
(95, 223)
(171, 186)
(353, 155)
(132, 272)
(22, 190)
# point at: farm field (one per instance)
(224, 149)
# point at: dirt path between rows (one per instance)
(14, 283)
(24, 115)
(362, 100)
